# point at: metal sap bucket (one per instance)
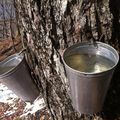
(15, 75)
(88, 90)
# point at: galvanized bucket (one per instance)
(88, 89)
(15, 75)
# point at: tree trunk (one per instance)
(50, 26)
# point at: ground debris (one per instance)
(13, 108)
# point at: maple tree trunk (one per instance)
(47, 28)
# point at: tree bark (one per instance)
(50, 26)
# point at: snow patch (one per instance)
(32, 108)
(6, 95)
(8, 113)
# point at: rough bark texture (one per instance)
(50, 26)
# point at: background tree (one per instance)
(50, 26)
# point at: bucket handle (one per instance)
(23, 50)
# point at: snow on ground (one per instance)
(6, 95)
(14, 106)
(32, 108)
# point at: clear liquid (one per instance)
(89, 63)
(5, 69)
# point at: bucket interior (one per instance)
(90, 58)
(10, 63)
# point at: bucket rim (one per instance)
(15, 67)
(90, 43)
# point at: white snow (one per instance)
(7, 113)
(6, 95)
(32, 108)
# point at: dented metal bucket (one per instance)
(15, 75)
(88, 90)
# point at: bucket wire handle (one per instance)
(23, 50)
